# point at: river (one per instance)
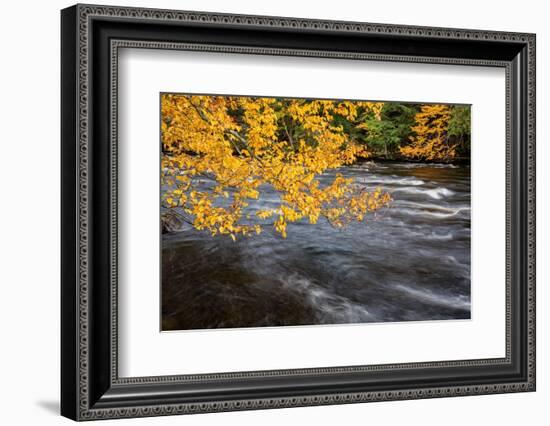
(408, 262)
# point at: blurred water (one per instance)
(409, 262)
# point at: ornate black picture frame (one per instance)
(91, 387)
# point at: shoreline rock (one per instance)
(170, 222)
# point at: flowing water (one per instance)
(408, 262)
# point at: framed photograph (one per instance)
(263, 212)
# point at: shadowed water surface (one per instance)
(409, 262)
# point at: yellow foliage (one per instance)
(430, 141)
(242, 143)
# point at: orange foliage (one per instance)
(430, 141)
(243, 143)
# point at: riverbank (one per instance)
(465, 161)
